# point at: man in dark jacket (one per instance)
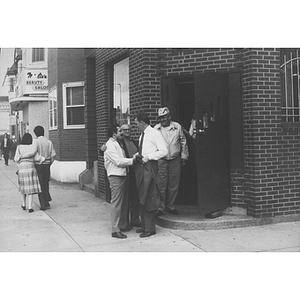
(151, 148)
(133, 209)
(5, 147)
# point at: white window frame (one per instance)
(38, 61)
(53, 111)
(65, 86)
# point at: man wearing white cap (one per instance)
(169, 167)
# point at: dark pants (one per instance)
(43, 172)
(134, 203)
(148, 219)
(6, 155)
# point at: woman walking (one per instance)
(27, 176)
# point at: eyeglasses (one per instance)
(125, 129)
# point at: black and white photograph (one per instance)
(162, 158)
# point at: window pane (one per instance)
(77, 95)
(51, 119)
(69, 100)
(55, 117)
(121, 91)
(75, 116)
(38, 54)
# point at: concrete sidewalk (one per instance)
(80, 222)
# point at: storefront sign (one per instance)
(4, 106)
(36, 81)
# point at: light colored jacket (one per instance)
(31, 153)
(115, 161)
(175, 140)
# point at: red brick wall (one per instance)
(66, 65)
(269, 183)
(271, 151)
(90, 112)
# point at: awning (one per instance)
(18, 103)
(13, 70)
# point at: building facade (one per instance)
(28, 93)
(246, 106)
(69, 128)
(4, 115)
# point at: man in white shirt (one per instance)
(45, 149)
(151, 148)
(116, 163)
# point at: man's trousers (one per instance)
(43, 172)
(148, 219)
(169, 172)
(119, 199)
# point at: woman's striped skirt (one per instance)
(28, 179)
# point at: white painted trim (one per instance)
(67, 171)
(64, 91)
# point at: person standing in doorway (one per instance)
(5, 147)
(45, 149)
(169, 167)
(133, 208)
(116, 165)
(151, 149)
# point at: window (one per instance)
(290, 85)
(121, 91)
(73, 101)
(38, 54)
(53, 108)
(11, 84)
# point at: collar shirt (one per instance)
(154, 146)
(175, 140)
(5, 143)
(115, 161)
(45, 149)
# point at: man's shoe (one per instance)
(42, 208)
(24, 207)
(31, 210)
(119, 235)
(140, 230)
(172, 211)
(146, 234)
(159, 213)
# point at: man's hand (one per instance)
(103, 147)
(145, 159)
(183, 161)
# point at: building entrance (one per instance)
(205, 180)
(212, 142)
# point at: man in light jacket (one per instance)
(116, 163)
(169, 167)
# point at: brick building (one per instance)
(246, 103)
(68, 128)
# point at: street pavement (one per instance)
(173, 264)
(80, 222)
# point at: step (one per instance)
(89, 187)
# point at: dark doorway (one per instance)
(212, 142)
(185, 100)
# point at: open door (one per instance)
(212, 142)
